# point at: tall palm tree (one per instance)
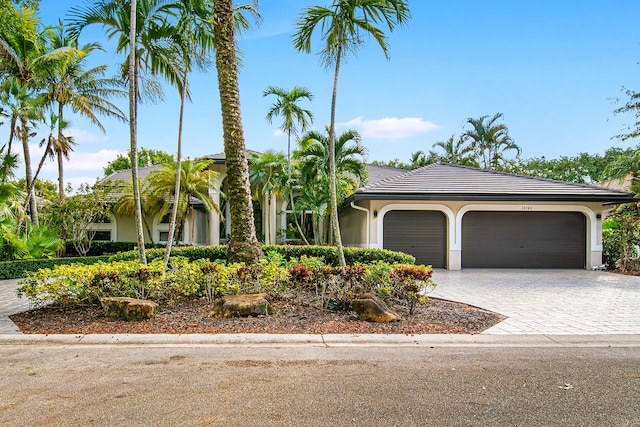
(490, 140)
(294, 117)
(454, 151)
(25, 56)
(145, 37)
(342, 25)
(244, 245)
(195, 182)
(86, 91)
(314, 159)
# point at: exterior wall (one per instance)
(455, 210)
(126, 228)
(353, 227)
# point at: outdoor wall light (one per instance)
(375, 214)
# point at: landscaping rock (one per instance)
(372, 309)
(122, 308)
(241, 306)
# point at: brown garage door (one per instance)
(523, 240)
(422, 234)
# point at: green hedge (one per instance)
(327, 253)
(19, 268)
(99, 247)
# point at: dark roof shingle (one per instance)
(454, 182)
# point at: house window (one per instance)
(103, 235)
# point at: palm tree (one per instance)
(287, 106)
(244, 245)
(87, 92)
(349, 160)
(342, 25)
(490, 140)
(193, 33)
(144, 34)
(454, 151)
(195, 182)
(25, 56)
(267, 171)
(126, 203)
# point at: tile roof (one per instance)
(454, 182)
(378, 173)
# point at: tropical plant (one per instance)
(86, 91)
(196, 180)
(342, 25)
(314, 164)
(79, 213)
(627, 165)
(145, 36)
(244, 245)
(490, 140)
(454, 151)
(146, 157)
(26, 55)
(267, 173)
(294, 116)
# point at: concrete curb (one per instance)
(329, 340)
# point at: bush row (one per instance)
(99, 248)
(334, 287)
(20, 268)
(328, 254)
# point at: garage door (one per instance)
(523, 240)
(419, 233)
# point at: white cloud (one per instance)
(391, 127)
(84, 136)
(80, 162)
(278, 132)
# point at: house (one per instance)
(446, 215)
(201, 228)
(455, 217)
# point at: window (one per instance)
(103, 235)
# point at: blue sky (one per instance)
(553, 68)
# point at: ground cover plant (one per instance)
(306, 295)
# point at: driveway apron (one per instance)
(555, 302)
(10, 304)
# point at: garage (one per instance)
(422, 234)
(523, 240)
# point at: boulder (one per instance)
(241, 306)
(122, 308)
(372, 309)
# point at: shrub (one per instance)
(279, 253)
(20, 268)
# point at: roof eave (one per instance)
(607, 200)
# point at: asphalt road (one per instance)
(315, 385)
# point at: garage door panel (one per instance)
(523, 240)
(419, 233)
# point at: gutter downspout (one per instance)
(360, 208)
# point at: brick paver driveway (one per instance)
(557, 302)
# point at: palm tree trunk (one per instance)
(60, 155)
(176, 192)
(12, 132)
(133, 130)
(332, 166)
(31, 196)
(244, 246)
(295, 217)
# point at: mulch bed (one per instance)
(293, 316)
